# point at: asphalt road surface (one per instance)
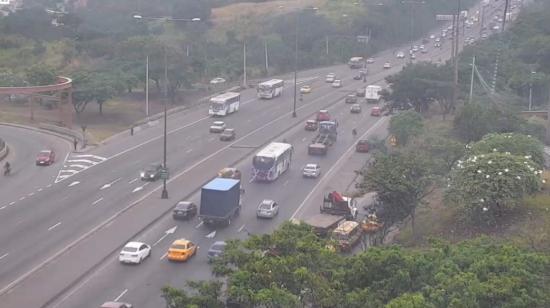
(61, 244)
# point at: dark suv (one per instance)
(151, 173)
(184, 210)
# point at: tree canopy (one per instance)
(406, 125)
(293, 268)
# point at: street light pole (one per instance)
(164, 194)
(295, 65)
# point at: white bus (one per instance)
(355, 62)
(271, 88)
(271, 161)
(224, 104)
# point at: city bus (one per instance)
(271, 88)
(356, 62)
(224, 104)
(271, 161)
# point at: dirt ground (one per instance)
(118, 114)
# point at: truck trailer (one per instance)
(220, 201)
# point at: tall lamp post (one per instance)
(164, 194)
(296, 60)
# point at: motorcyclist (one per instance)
(7, 168)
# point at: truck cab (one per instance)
(335, 203)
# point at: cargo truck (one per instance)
(220, 201)
(326, 137)
(372, 94)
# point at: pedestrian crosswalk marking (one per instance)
(76, 163)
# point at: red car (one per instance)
(362, 146)
(311, 125)
(323, 115)
(376, 111)
(45, 157)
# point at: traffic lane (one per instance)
(26, 177)
(341, 175)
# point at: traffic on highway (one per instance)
(237, 165)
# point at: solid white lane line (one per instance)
(199, 225)
(97, 201)
(22, 198)
(12, 203)
(326, 176)
(31, 194)
(4, 255)
(1, 208)
(132, 181)
(121, 295)
(241, 228)
(54, 226)
(163, 256)
(39, 189)
(78, 166)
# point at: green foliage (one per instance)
(421, 84)
(513, 143)
(96, 86)
(401, 181)
(406, 125)
(206, 295)
(291, 268)
(9, 79)
(442, 151)
(488, 185)
(40, 75)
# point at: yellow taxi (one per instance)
(181, 250)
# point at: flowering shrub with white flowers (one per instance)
(513, 143)
(486, 185)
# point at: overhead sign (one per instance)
(443, 17)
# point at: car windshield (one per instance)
(265, 206)
(311, 166)
(179, 247)
(218, 123)
(183, 206)
(152, 167)
(129, 249)
(44, 153)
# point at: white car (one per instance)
(387, 65)
(400, 55)
(330, 77)
(337, 83)
(267, 209)
(217, 127)
(217, 80)
(311, 171)
(437, 39)
(134, 252)
(370, 60)
(432, 36)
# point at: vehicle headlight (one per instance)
(151, 175)
(142, 174)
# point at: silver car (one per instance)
(311, 171)
(217, 127)
(267, 209)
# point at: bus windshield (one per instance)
(263, 163)
(264, 87)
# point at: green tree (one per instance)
(441, 150)
(401, 181)
(207, 294)
(40, 75)
(406, 125)
(513, 143)
(95, 86)
(10, 79)
(487, 185)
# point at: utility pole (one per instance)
(245, 83)
(147, 87)
(266, 58)
(472, 80)
(164, 194)
(456, 34)
(505, 13)
(326, 44)
(295, 66)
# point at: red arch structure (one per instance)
(63, 93)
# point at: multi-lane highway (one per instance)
(60, 244)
